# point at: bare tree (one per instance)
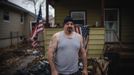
(34, 2)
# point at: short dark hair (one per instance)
(68, 18)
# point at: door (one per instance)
(111, 25)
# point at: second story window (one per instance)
(22, 18)
(6, 16)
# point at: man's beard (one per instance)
(70, 29)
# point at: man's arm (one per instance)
(51, 50)
(83, 56)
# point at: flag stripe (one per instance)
(38, 28)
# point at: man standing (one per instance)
(64, 49)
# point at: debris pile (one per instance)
(19, 60)
(9, 59)
(39, 66)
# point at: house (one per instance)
(80, 12)
(113, 16)
(111, 26)
(14, 23)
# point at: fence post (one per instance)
(17, 39)
(11, 43)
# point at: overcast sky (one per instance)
(30, 7)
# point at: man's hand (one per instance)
(84, 72)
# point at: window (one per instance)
(79, 17)
(22, 18)
(6, 16)
(32, 25)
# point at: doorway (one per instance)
(111, 25)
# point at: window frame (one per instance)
(78, 12)
(6, 16)
(22, 18)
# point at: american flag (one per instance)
(35, 43)
(84, 31)
(39, 27)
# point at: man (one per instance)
(64, 49)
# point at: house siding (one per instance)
(59, 15)
(96, 42)
(95, 45)
(27, 31)
(14, 25)
(92, 8)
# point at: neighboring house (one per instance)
(14, 23)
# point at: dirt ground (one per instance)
(13, 59)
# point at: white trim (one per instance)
(31, 25)
(117, 22)
(6, 15)
(6, 21)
